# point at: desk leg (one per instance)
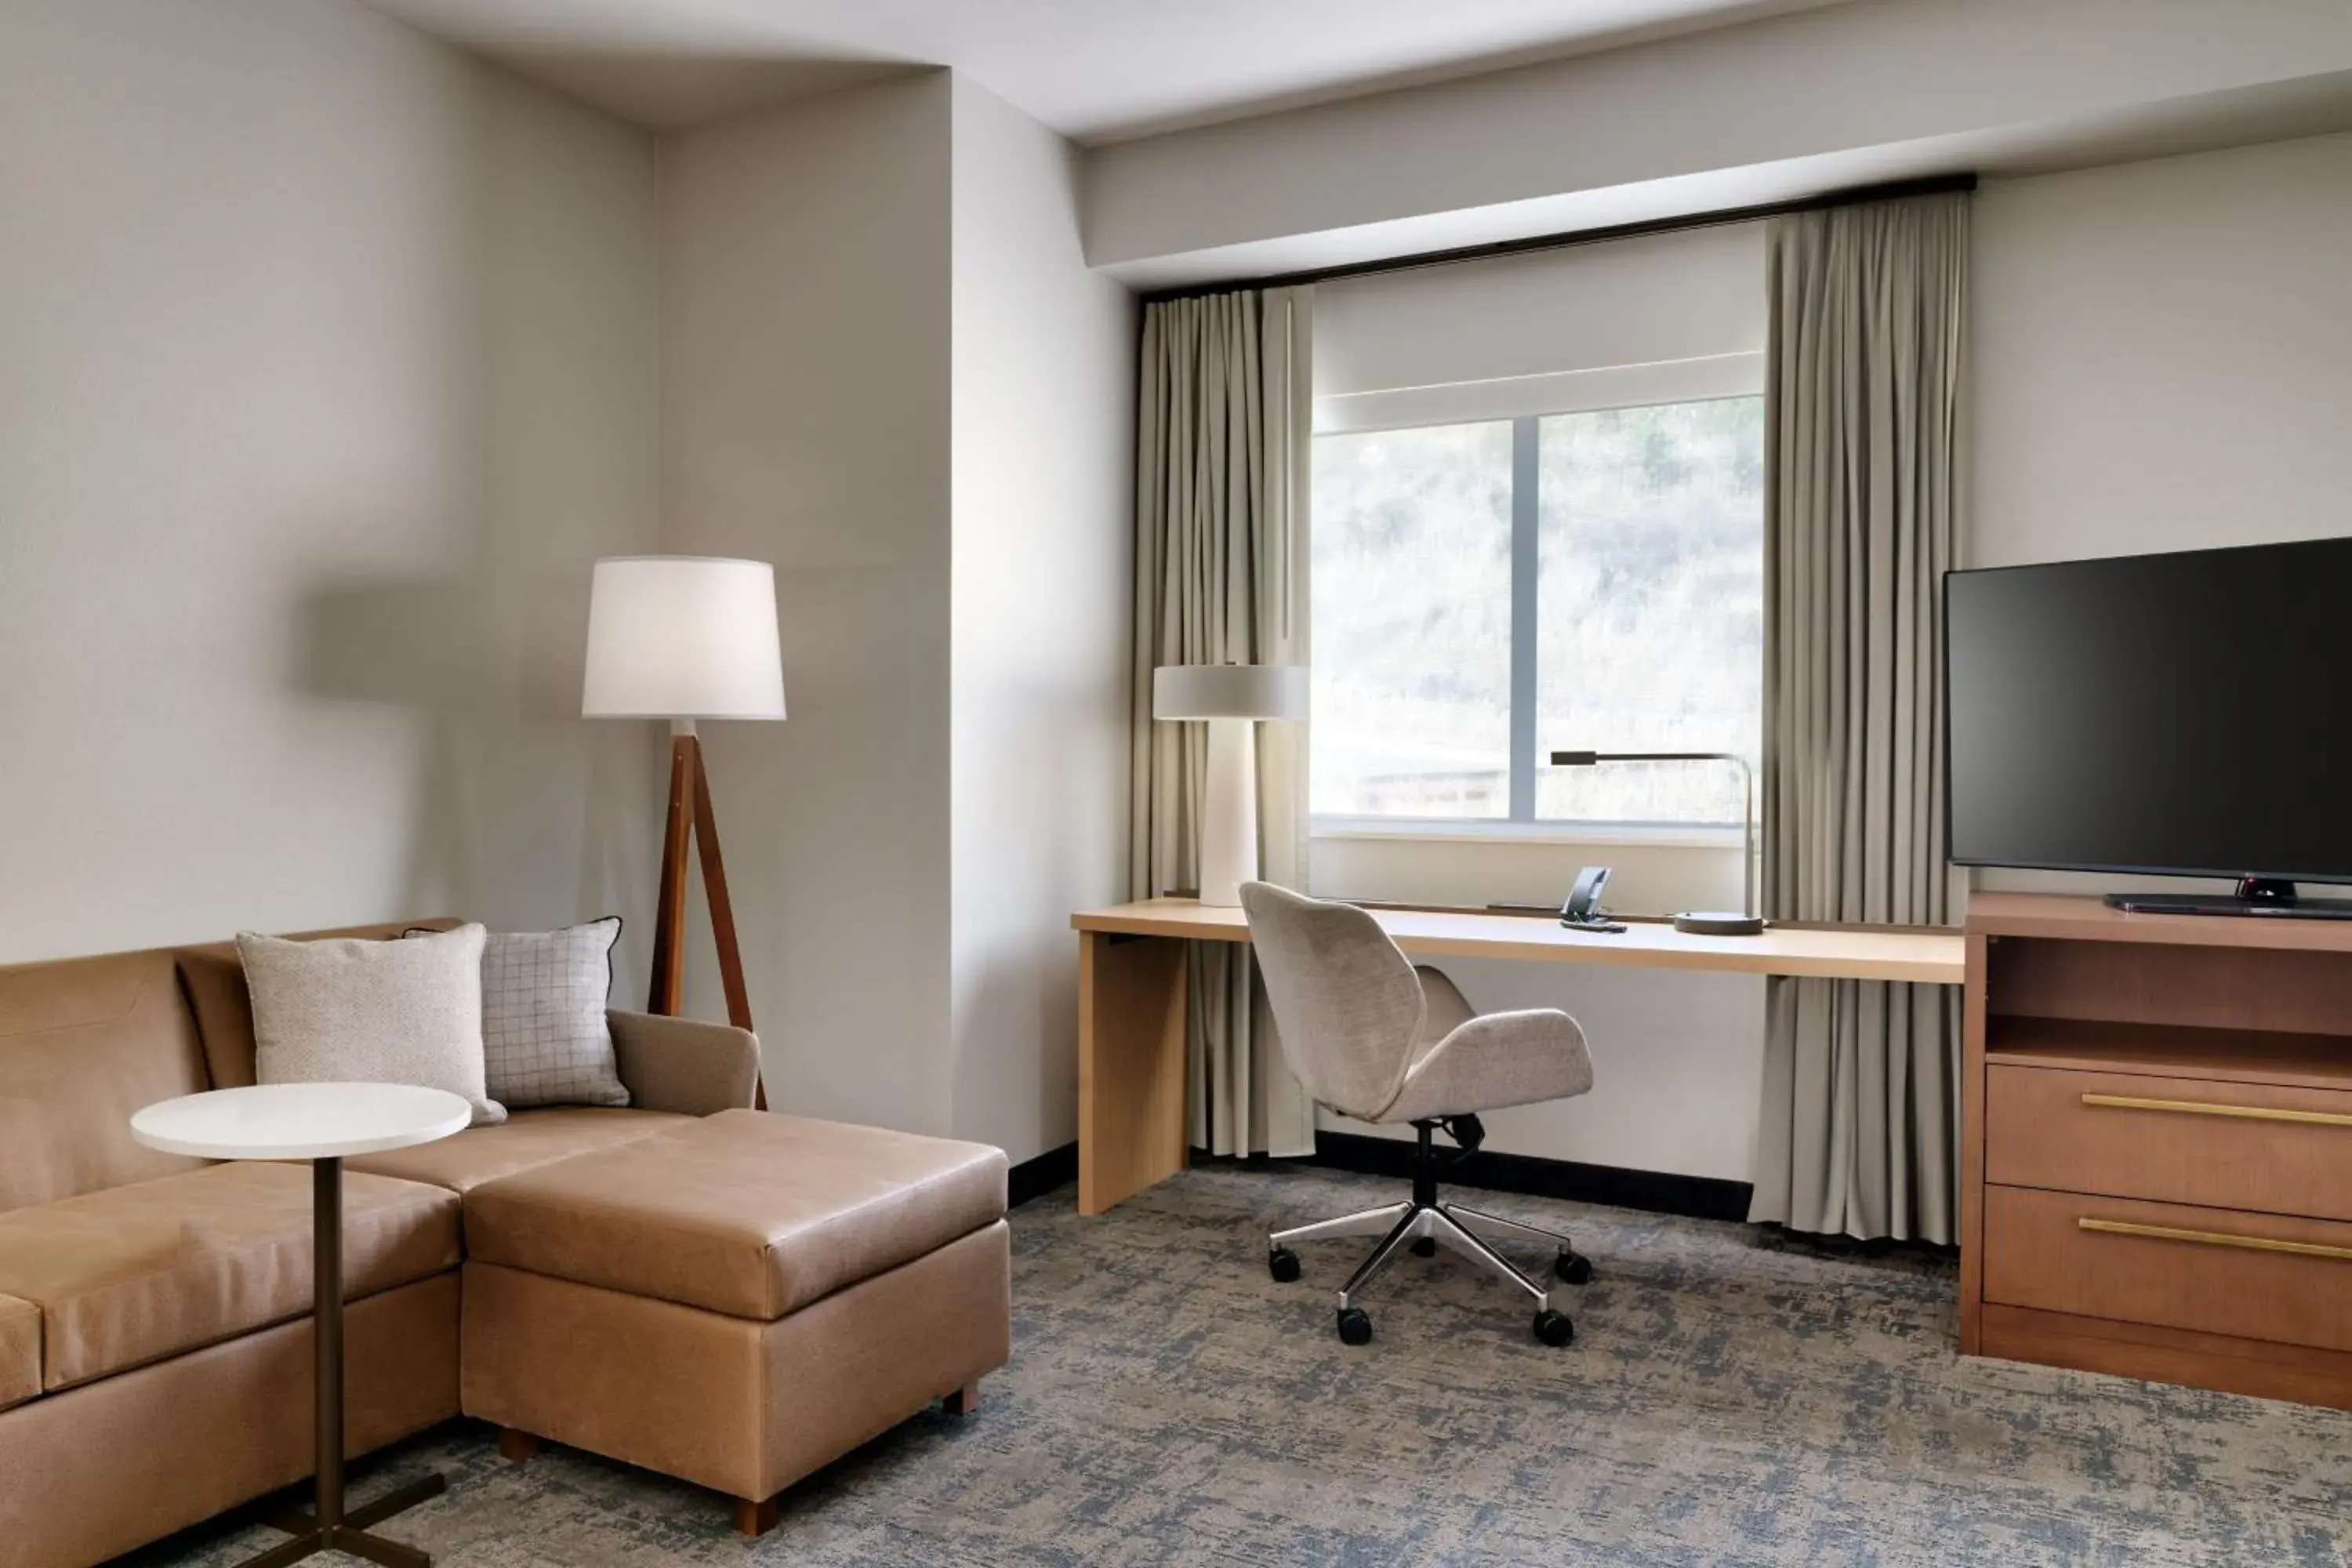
(1972, 1150)
(1130, 1064)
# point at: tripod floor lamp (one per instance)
(683, 638)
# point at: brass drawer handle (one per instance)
(2206, 1107)
(2216, 1239)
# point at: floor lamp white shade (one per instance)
(682, 637)
(1231, 699)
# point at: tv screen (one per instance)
(2188, 714)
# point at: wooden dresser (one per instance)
(2157, 1145)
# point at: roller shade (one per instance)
(1663, 319)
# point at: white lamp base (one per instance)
(1229, 812)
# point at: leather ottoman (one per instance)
(739, 1301)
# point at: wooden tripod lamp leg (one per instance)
(714, 884)
(690, 815)
(669, 915)
(722, 914)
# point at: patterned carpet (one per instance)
(1729, 1399)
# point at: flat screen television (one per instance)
(2186, 714)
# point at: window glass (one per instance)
(1650, 620)
(1645, 536)
(1411, 623)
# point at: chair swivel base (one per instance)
(1425, 1224)
(1449, 1226)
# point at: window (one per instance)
(1412, 619)
(1487, 592)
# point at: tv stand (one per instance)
(2271, 896)
(2156, 1146)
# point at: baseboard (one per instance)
(1035, 1178)
(1655, 1191)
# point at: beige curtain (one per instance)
(1863, 504)
(1223, 417)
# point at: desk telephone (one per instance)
(1582, 911)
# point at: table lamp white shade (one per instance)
(682, 636)
(1232, 698)
(1229, 691)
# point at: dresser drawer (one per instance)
(2260, 1276)
(2190, 1141)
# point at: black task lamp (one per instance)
(1701, 923)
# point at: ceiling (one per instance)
(1095, 70)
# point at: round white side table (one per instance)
(321, 1122)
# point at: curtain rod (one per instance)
(1931, 185)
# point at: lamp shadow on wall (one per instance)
(522, 815)
(470, 621)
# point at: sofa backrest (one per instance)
(214, 979)
(84, 1042)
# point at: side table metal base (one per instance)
(328, 1527)
(351, 1535)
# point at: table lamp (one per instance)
(1702, 922)
(685, 638)
(1232, 698)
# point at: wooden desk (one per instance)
(1131, 1001)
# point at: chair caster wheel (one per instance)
(1573, 1267)
(1283, 1263)
(1553, 1328)
(1427, 1247)
(1356, 1326)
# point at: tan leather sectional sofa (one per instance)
(733, 1296)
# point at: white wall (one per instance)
(1044, 476)
(2163, 361)
(888, 371)
(805, 418)
(329, 368)
(2163, 355)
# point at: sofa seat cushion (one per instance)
(135, 1274)
(745, 1213)
(527, 1139)
(20, 1351)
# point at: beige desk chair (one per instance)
(1375, 1038)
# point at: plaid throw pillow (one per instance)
(544, 1039)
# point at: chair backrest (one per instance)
(1345, 997)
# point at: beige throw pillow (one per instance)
(343, 1010)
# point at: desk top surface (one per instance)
(1842, 953)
